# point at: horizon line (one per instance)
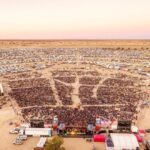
(74, 39)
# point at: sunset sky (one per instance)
(74, 19)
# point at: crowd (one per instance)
(35, 96)
(37, 91)
(118, 82)
(118, 95)
(66, 79)
(3, 101)
(63, 73)
(25, 75)
(78, 117)
(26, 83)
(31, 92)
(64, 93)
(121, 92)
(92, 73)
(86, 95)
(112, 91)
(89, 80)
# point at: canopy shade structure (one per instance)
(99, 138)
(124, 141)
(139, 138)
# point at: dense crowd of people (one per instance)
(118, 95)
(19, 76)
(86, 95)
(63, 73)
(118, 82)
(31, 92)
(91, 73)
(35, 96)
(37, 92)
(3, 100)
(66, 79)
(64, 93)
(117, 92)
(89, 80)
(26, 83)
(79, 117)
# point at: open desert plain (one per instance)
(75, 80)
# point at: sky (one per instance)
(74, 19)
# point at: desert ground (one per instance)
(63, 75)
(74, 43)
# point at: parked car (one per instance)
(22, 137)
(148, 145)
(13, 131)
(147, 130)
(18, 142)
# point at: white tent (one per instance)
(124, 141)
(134, 129)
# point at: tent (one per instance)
(99, 138)
(134, 129)
(124, 141)
(142, 132)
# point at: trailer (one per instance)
(41, 142)
(41, 132)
